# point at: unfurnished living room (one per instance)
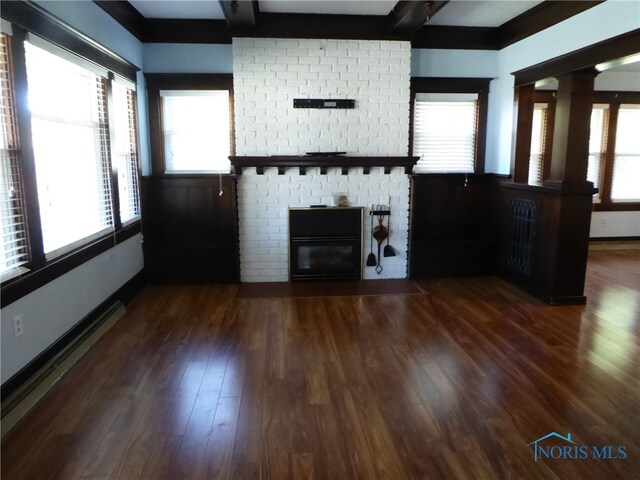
(323, 239)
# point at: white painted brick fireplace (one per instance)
(268, 75)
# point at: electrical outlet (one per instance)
(18, 328)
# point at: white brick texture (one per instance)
(268, 75)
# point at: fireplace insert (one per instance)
(325, 243)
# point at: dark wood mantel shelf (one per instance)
(306, 161)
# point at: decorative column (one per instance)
(569, 158)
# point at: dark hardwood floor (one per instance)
(195, 382)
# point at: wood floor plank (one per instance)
(452, 380)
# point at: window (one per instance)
(190, 122)
(614, 147)
(449, 124)
(196, 130)
(445, 132)
(125, 149)
(13, 230)
(625, 184)
(71, 149)
(538, 142)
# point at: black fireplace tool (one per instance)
(371, 258)
(380, 233)
(388, 249)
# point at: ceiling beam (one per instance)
(409, 16)
(240, 14)
(126, 15)
(536, 19)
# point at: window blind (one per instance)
(538, 142)
(444, 132)
(13, 229)
(625, 184)
(125, 154)
(597, 143)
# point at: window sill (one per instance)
(19, 286)
(616, 207)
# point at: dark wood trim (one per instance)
(610, 49)
(614, 239)
(240, 14)
(27, 156)
(538, 18)
(548, 138)
(521, 145)
(465, 38)
(297, 25)
(174, 30)
(609, 154)
(309, 161)
(616, 207)
(42, 23)
(125, 294)
(18, 287)
(126, 15)
(189, 81)
(450, 85)
(115, 190)
(481, 138)
(395, 26)
(456, 85)
(409, 16)
(179, 81)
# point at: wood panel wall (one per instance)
(190, 231)
(454, 225)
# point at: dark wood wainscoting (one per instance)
(454, 225)
(190, 231)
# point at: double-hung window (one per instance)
(68, 104)
(196, 130)
(449, 124)
(445, 128)
(538, 142)
(13, 230)
(625, 184)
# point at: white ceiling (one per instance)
(480, 13)
(206, 9)
(329, 7)
(477, 13)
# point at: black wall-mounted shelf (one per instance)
(323, 103)
(303, 162)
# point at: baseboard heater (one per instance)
(30, 384)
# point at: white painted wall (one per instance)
(599, 23)
(49, 312)
(454, 63)
(187, 58)
(52, 310)
(618, 81)
(615, 224)
(268, 75)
